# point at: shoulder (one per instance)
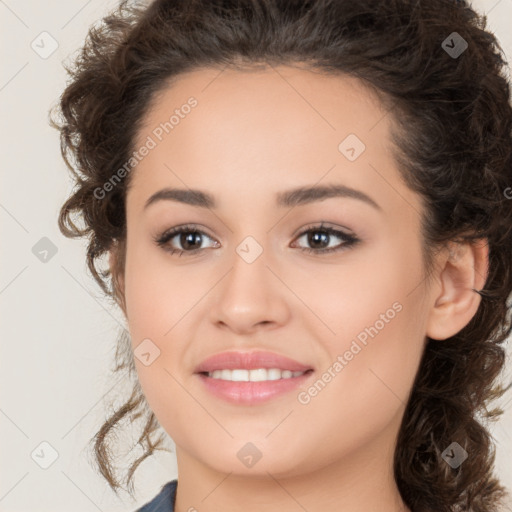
(163, 501)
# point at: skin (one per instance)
(254, 134)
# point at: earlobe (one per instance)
(464, 271)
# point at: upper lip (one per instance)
(250, 361)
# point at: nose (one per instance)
(250, 297)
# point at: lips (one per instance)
(251, 393)
(250, 361)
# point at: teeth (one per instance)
(256, 375)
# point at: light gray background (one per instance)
(57, 332)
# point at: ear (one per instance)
(116, 263)
(462, 273)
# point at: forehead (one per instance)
(258, 97)
(272, 127)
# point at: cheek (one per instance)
(161, 301)
(377, 319)
(371, 287)
(364, 388)
(158, 292)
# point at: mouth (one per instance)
(250, 378)
(253, 375)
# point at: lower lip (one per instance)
(248, 393)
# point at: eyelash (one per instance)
(349, 240)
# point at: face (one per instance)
(333, 281)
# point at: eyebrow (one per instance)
(289, 198)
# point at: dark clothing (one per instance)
(163, 501)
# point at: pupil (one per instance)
(189, 239)
(315, 239)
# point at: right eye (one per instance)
(185, 235)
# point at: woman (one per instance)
(306, 208)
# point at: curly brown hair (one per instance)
(453, 138)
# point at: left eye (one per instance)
(320, 234)
(188, 236)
